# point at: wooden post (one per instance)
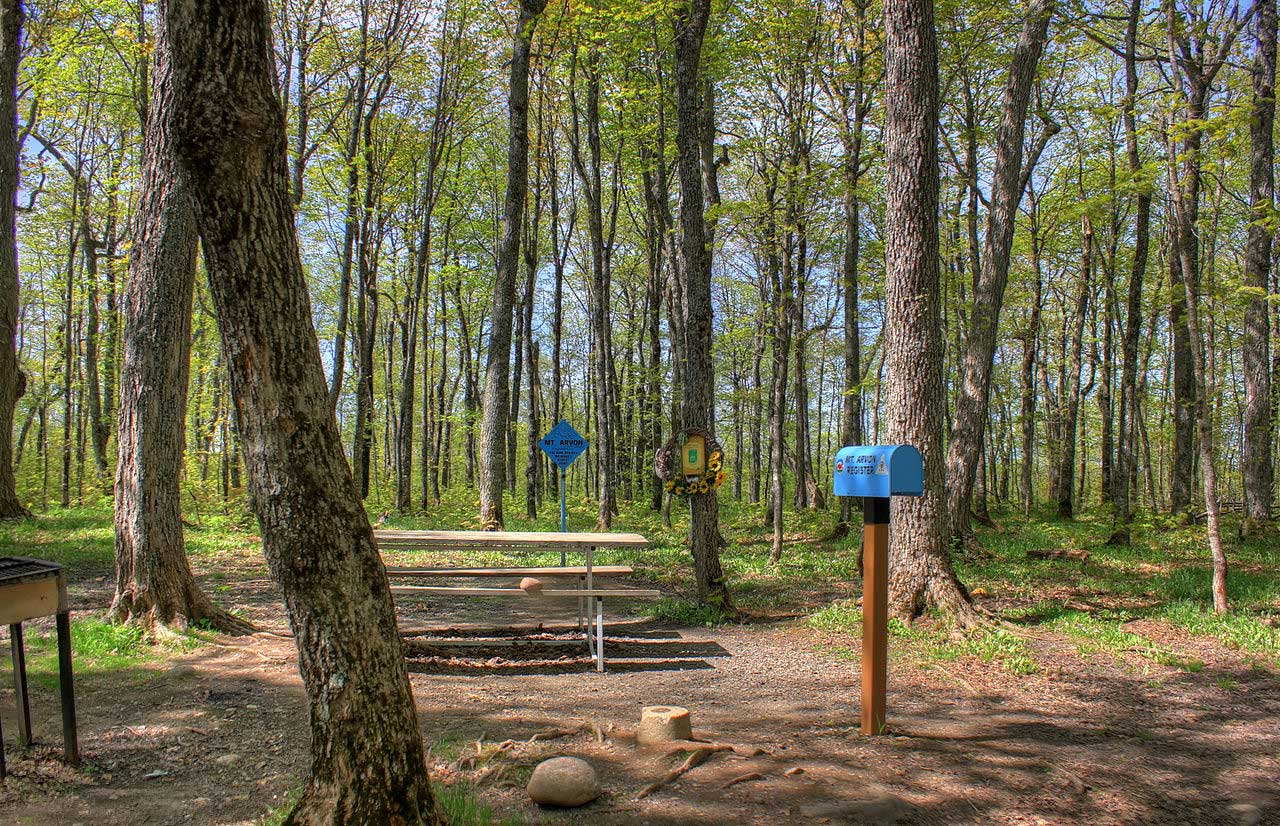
(20, 683)
(875, 613)
(70, 743)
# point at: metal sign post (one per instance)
(876, 473)
(563, 445)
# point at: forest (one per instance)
(1068, 357)
(275, 275)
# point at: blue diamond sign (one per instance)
(563, 444)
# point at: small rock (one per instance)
(1247, 814)
(563, 781)
(228, 759)
(200, 801)
(181, 671)
(531, 586)
(153, 774)
(793, 771)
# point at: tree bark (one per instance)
(598, 287)
(497, 387)
(12, 381)
(1258, 473)
(1126, 455)
(1030, 352)
(1185, 195)
(1009, 182)
(698, 397)
(154, 584)
(229, 131)
(851, 137)
(920, 563)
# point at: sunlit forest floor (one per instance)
(1110, 693)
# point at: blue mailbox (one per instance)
(878, 471)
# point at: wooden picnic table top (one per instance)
(553, 540)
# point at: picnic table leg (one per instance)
(599, 633)
(70, 742)
(2, 771)
(20, 683)
(582, 603)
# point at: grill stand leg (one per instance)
(70, 742)
(20, 683)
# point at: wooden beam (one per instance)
(571, 593)
(534, 540)
(572, 570)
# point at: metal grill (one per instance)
(16, 567)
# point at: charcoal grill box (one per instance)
(31, 588)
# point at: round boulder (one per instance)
(662, 724)
(531, 586)
(563, 781)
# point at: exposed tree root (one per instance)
(744, 778)
(162, 623)
(695, 759)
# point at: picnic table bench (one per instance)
(583, 586)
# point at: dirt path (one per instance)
(218, 736)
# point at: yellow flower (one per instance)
(669, 485)
(715, 456)
(678, 491)
(703, 487)
(713, 465)
(720, 477)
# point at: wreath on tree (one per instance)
(667, 465)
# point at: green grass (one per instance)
(1235, 630)
(463, 808)
(1164, 574)
(930, 640)
(994, 645)
(1094, 635)
(98, 648)
(842, 615)
(685, 612)
(101, 650)
(278, 814)
(459, 802)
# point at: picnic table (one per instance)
(582, 585)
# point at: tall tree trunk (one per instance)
(598, 290)
(98, 427)
(1064, 484)
(782, 290)
(1009, 182)
(698, 397)
(367, 754)
(1126, 457)
(920, 563)
(497, 387)
(351, 216)
(1030, 350)
(154, 584)
(851, 408)
(1185, 197)
(12, 380)
(1259, 475)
